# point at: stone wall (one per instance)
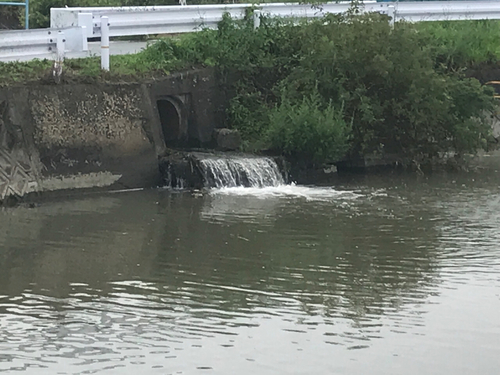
(72, 136)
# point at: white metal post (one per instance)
(85, 42)
(391, 12)
(256, 19)
(105, 43)
(60, 46)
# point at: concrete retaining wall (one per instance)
(59, 137)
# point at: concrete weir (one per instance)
(106, 135)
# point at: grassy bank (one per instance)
(323, 89)
(462, 44)
(122, 67)
(455, 45)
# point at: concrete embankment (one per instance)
(116, 135)
(77, 136)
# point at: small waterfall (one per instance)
(233, 171)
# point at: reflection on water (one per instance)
(375, 276)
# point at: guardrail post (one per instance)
(58, 63)
(391, 12)
(27, 15)
(256, 19)
(60, 46)
(105, 43)
(85, 42)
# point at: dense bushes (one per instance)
(301, 84)
(461, 44)
(308, 130)
(344, 84)
(9, 17)
(397, 101)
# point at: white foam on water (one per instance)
(310, 193)
(260, 177)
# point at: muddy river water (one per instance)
(380, 274)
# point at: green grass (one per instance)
(138, 66)
(157, 60)
(463, 44)
(23, 71)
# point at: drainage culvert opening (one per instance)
(170, 120)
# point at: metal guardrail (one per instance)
(182, 20)
(54, 44)
(127, 21)
(418, 11)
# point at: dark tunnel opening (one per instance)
(170, 121)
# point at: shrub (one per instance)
(384, 79)
(307, 130)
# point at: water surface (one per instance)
(378, 275)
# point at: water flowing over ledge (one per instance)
(204, 170)
(241, 171)
(240, 175)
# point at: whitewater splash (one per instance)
(259, 177)
(242, 176)
(232, 172)
(309, 193)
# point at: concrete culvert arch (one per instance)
(171, 121)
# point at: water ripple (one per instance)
(352, 279)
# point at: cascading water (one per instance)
(239, 176)
(244, 187)
(234, 171)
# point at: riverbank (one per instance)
(105, 136)
(362, 91)
(365, 87)
(458, 45)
